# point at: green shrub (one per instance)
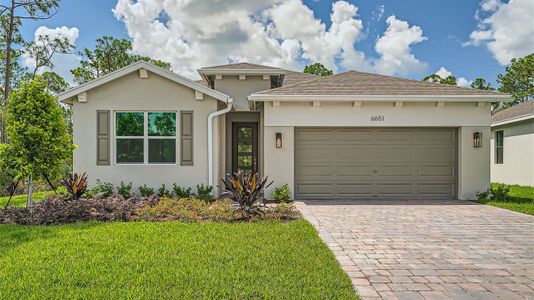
(483, 195)
(146, 191)
(125, 190)
(204, 192)
(182, 192)
(500, 192)
(163, 192)
(281, 194)
(103, 189)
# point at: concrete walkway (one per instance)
(428, 249)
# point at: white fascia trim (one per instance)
(522, 118)
(66, 96)
(241, 72)
(405, 98)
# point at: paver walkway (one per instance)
(428, 249)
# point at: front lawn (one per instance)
(169, 260)
(20, 200)
(521, 199)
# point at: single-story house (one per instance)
(512, 145)
(352, 135)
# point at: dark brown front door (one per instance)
(245, 147)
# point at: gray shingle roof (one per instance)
(360, 83)
(241, 66)
(292, 77)
(517, 111)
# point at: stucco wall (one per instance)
(240, 89)
(518, 154)
(473, 169)
(152, 94)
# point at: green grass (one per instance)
(20, 200)
(521, 200)
(169, 261)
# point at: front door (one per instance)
(245, 147)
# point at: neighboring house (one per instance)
(512, 145)
(348, 136)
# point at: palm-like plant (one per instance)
(76, 185)
(245, 188)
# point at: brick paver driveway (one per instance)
(429, 249)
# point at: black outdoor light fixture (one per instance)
(278, 140)
(477, 139)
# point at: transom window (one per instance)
(499, 146)
(145, 137)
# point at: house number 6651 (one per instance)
(377, 118)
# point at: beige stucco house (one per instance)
(512, 145)
(348, 136)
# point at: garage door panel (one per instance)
(436, 171)
(393, 153)
(405, 170)
(375, 163)
(395, 188)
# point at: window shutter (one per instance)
(186, 138)
(103, 138)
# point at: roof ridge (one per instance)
(239, 63)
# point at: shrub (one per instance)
(204, 192)
(103, 189)
(483, 195)
(125, 190)
(245, 188)
(146, 191)
(281, 212)
(163, 192)
(187, 210)
(281, 194)
(182, 192)
(75, 185)
(500, 192)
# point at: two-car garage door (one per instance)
(375, 163)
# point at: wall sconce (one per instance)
(477, 139)
(278, 140)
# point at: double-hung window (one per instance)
(145, 137)
(499, 146)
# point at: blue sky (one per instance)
(446, 25)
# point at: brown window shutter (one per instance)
(186, 138)
(103, 137)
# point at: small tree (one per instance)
(39, 141)
(435, 78)
(318, 69)
(518, 79)
(481, 84)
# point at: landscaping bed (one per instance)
(169, 260)
(518, 198)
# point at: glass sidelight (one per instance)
(245, 147)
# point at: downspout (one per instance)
(211, 116)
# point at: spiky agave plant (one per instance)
(245, 188)
(76, 185)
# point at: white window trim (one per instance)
(145, 138)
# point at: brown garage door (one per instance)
(372, 163)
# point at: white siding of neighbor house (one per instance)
(131, 93)
(518, 154)
(473, 167)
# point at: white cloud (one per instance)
(461, 81)
(283, 33)
(63, 62)
(379, 13)
(443, 73)
(394, 48)
(507, 29)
